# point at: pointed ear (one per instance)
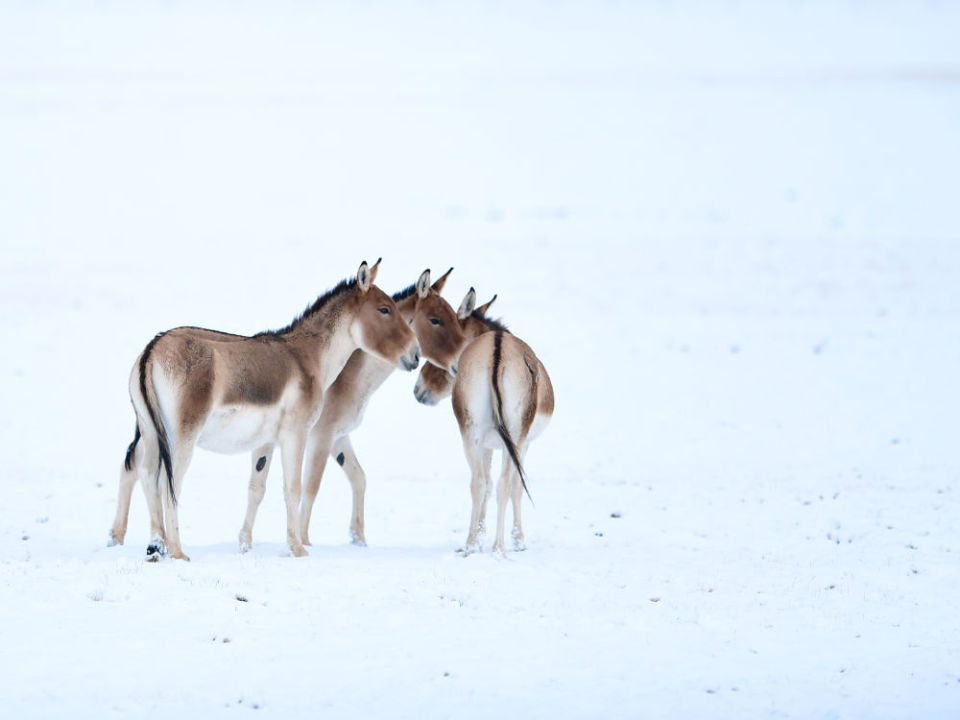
(441, 281)
(423, 284)
(364, 281)
(483, 308)
(374, 269)
(466, 307)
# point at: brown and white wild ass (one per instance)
(502, 399)
(441, 341)
(230, 393)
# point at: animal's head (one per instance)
(435, 383)
(436, 325)
(378, 328)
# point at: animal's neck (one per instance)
(407, 307)
(324, 339)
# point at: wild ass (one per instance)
(434, 383)
(441, 342)
(230, 393)
(502, 399)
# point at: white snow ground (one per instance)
(729, 229)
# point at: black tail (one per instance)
(501, 428)
(131, 449)
(155, 418)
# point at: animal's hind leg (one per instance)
(487, 492)
(503, 494)
(343, 451)
(259, 467)
(478, 475)
(181, 456)
(516, 495)
(128, 478)
(147, 468)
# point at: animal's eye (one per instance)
(434, 321)
(384, 310)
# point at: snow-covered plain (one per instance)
(730, 230)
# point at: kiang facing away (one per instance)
(441, 341)
(502, 399)
(228, 393)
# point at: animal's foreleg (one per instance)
(343, 451)
(181, 456)
(315, 461)
(291, 454)
(259, 467)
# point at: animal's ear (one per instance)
(364, 281)
(466, 307)
(483, 308)
(441, 281)
(423, 284)
(374, 269)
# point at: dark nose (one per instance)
(409, 364)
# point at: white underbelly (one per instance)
(238, 429)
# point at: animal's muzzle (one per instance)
(424, 396)
(410, 362)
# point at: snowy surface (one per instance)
(731, 232)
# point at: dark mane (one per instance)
(314, 307)
(405, 293)
(494, 325)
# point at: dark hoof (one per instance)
(155, 552)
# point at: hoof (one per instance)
(244, 547)
(357, 540)
(155, 552)
(180, 556)
(298, 551)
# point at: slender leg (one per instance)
(181, 455)
(343, 452)
(487, 492)
(516, 495)
(472, 450)
(148, 473)
(315, 462)
(503, 494)
(128, 478)
(259, 467)
(291, 455)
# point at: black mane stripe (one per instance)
(405, 293)
(314, 307)
(493, 325)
